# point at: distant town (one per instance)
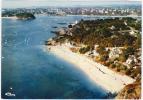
(62, 11)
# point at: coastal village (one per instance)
(119, 56)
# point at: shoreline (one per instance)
(14, 17)
(104, 16)
(98, 73)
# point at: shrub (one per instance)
(107, 63)
(129, 51)
(84, 50)
(103, 58)
(118, 69)
(128, 72)
(124, 67)
(113, 65)
(101, 50)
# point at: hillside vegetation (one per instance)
(107, 32)
(118, 43)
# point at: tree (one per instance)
(129, 51)
(101, 50)
(103, 58)
(138, 41)
(113, 65)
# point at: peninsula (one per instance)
(107, 50)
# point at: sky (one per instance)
(40, 3)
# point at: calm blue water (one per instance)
(33, 73)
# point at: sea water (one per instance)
(28, 71)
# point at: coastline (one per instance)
(98, 73)
(134, 16)
(14, 17)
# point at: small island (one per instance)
(107, 50)
(25, 16)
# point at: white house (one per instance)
(132, 33)
(114, 53)
(125, 23)
(95, 53)
(95, 46)
(112, 27)
(92, 53)
(131, 59)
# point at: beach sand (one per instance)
(14, 17)
(98, 73)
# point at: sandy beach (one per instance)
(98, 73)
(14, 17)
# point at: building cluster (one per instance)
(114, 11)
